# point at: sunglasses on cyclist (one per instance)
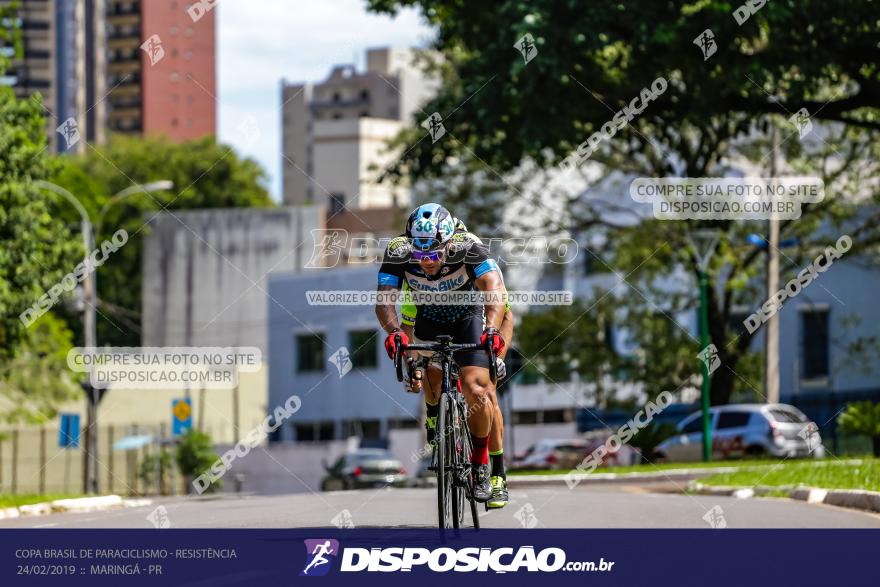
(427, 255)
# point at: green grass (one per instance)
(649, 468)
(11, 501)
(827, 474)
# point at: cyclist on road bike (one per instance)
(425, 259)
(408, 314)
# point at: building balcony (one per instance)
(130, 112)
(132, 19)
(351, 103)
(130, 65)
(125, 91)
(123, 40)
(120, 7)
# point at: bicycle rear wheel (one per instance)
(468, 489)
(457, 460)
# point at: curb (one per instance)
(669, 474)
(77, 505)
(857, 499)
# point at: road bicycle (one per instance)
(455, 481)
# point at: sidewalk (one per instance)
(77, 505)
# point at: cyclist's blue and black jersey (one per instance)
(467, 260)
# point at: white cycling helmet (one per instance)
(430, 226)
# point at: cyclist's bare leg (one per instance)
(496, 436)
(432, 383)
(479, 393)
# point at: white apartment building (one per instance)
(335, 133)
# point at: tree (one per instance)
(713, 118)
(503, 109)
(586, 349)
(863, 418)
(37, 380)
(205, 175)
(35, 248)
(195, 455)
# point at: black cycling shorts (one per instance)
(467, 330)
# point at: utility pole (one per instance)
(89, 323)
(704, 242)
(90, 297)
(771, 334)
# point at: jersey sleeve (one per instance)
(393, 262)
(477, 260)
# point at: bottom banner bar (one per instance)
(390, 557)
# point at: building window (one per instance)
(173, 30)
(362, 344)
(365, 95)
(814, 343)
(309, 352)
(336, 97)
(174, 76)
(337, 203)
(364, 429)
(337, 115)
(313, 431)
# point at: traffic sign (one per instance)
(181, 416)
(68, 432)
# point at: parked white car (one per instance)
(750, 430)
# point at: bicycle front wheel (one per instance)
(444, 474)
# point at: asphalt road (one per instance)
(597, 506)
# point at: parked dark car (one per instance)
(366, 467)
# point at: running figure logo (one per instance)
(154, 49)
(317, 552)
(434, 125)
(526, 46)
(706, 42)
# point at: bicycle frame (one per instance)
(454, 483)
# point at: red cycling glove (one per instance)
(497, 343)
(390, 346)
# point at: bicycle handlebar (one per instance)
(441, 347)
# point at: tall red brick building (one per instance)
(169, 87)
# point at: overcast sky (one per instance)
(261, 42)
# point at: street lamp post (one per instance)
(703, 243)
(90, 296)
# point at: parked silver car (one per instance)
(552, 454)
(746, 430)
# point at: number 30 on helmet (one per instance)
(430, 226)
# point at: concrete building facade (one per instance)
(335, 133)
(173, 96)
(63, 60)
(179, 92)
(85, 59)
(205, 272)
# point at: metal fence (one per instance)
(32, 461)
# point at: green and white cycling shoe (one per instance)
(499, 497)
